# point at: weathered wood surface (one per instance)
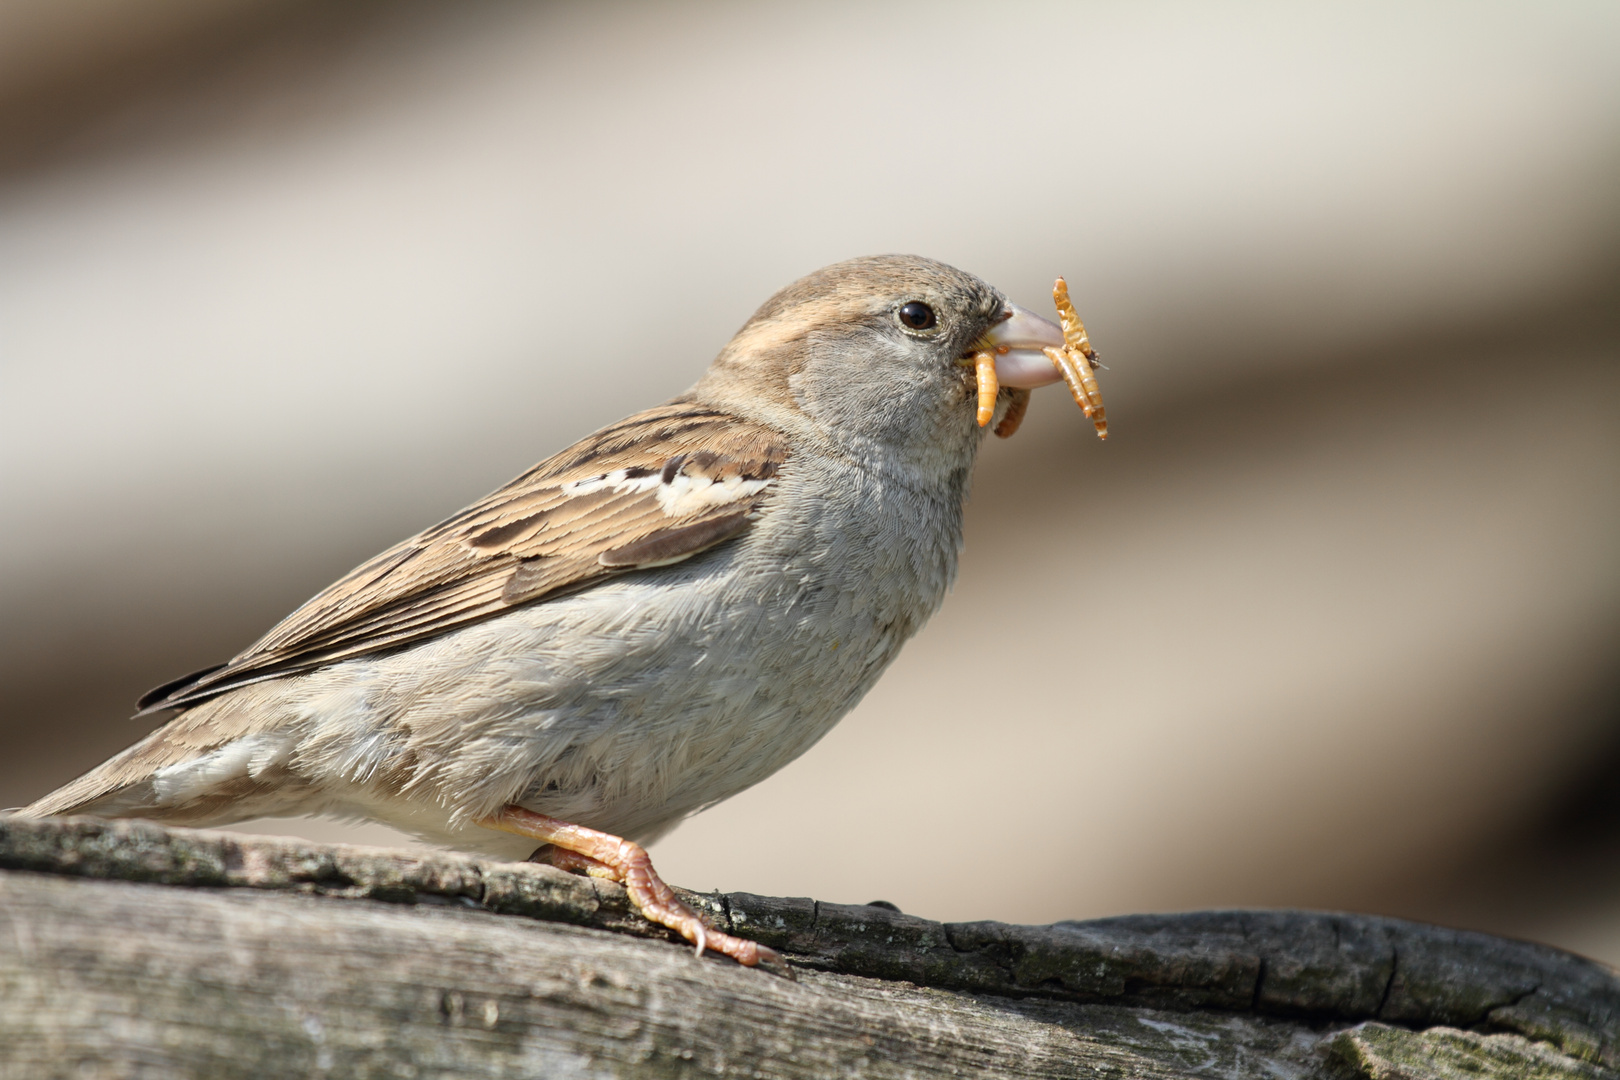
(127, 949)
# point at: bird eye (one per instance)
(917, 315)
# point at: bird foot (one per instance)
(599, 854)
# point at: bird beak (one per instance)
(1017, 341)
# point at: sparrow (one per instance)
(654, 619)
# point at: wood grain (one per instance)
(127, 949)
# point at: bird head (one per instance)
(874, 356)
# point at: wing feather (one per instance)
(655, 488)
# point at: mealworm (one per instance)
(984, 366)
(1077, 361)
(1017, 405)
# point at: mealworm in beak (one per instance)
(1071, 376)
(1077, 361)
(1074, 331)
(984, 365)
(1017, 405)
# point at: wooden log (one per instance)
(128, 949)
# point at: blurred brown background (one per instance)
(1331, 620)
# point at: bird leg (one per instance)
(573, 862)
(603, 855)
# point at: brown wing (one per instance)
(650, 490)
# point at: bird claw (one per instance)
(576, 848)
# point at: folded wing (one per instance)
(656, 488)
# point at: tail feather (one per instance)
(121, 786)
(202, 768)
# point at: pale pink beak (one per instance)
(1017, 342)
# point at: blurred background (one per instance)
(1330, 621)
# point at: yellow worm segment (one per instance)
(984, 365)
(1074, 331)
(1076, 373)
(1017, 405)
(1065, 363)
(1076, 361)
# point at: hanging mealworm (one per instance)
(1077, 361)
(1017, 405)
(984, 366)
